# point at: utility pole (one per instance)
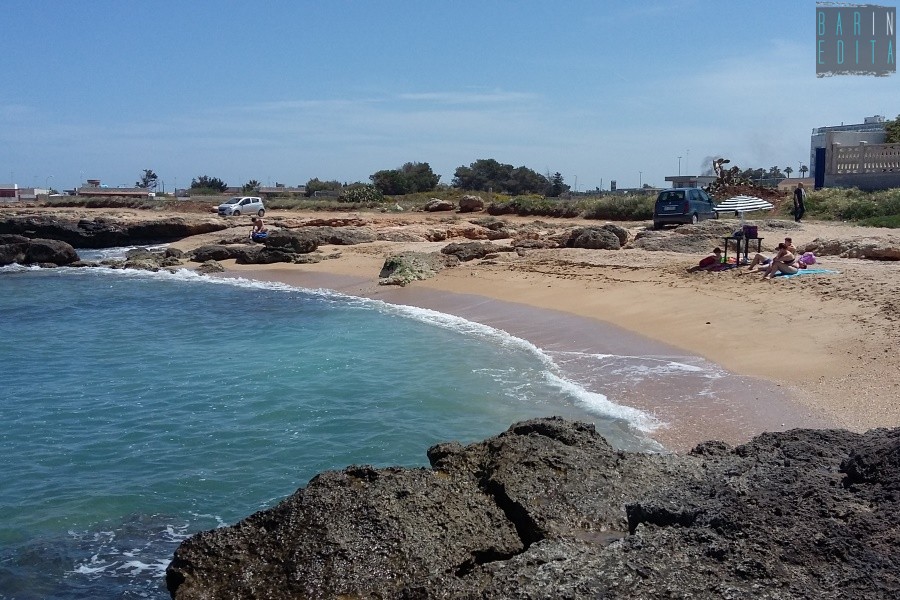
(679, 166)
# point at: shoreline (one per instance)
(721, 405)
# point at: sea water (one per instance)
(139, 408)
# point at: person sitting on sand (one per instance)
(761, 259)
(710, 262)
(782, 263)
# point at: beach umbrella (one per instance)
(742, 204)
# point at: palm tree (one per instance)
(804, 170)
(788, 170)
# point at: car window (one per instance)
(670, 196)
(695, 195)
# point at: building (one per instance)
(871, 131)
(9, 191)
(855, 156)
(690, 181)
(95, 189)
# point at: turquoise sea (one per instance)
(139, 408)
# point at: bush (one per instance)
(892, 221)
(621, 208)
(536, 206)
(850, 204)
(362, 194)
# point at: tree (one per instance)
(804, 170)
(488, 174)
(788, 170)
(251, 186)
(204, 182)
(315, 185)
(557, 187)
(892, 129)
(410, 178)
(148, 180)
(390, 182)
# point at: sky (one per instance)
(286, 91)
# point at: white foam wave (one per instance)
(600, 404)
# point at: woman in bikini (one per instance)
(783, 262)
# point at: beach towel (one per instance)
(808, 272)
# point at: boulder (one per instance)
(406, 267)
(210, 266)
(548, 509)
(469, 250)
(437, 205)
(469, 203)
(36, 252)
(594, 238)
(216, 252)
(298, 241)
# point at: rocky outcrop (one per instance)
(107, 232)
(469, 250)
(866, 248)
(595, 238)
(341, 236)
(406, 267)
(549, 510)
(16, 249)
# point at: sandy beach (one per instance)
(814, 351)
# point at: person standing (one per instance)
(799, 202)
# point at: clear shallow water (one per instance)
(140, 408)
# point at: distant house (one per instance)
(95, 189)
(786, 185)
(9, 191)
(690, 181)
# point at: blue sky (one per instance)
(283, 91)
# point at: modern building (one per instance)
(855, 156)
(871, 131)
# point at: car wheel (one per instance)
(236, 213)
(694, 219)
(261, 212)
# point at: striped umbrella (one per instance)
(742, 204)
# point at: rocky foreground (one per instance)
(549, 510)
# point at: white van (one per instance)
(242, 205)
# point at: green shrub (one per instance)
(362, 194)
(892, 221)
(621, 208)
(536, 206)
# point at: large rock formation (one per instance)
(107, 232)
(24, 251)
(549, 510)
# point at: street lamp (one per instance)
(679, 166)
(47, 183)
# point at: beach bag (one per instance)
(750, 231)
(808, 258)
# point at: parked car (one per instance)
(682, 205)
(242, 205)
